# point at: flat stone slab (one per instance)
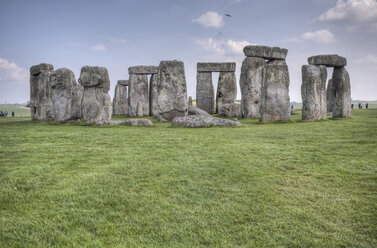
(131, 122)
(265, 52)
(143, 69)
(328, 60)
(203, 121)
(216, 67)
(124, 82)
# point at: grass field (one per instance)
(294, 184)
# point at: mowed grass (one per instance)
(293, 184)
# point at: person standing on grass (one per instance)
(5, 113)
(13, 114)
(352, 106)
(366, 106)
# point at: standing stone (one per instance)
(96, 102)
(275, 103)
(138, 95)
(342, 89)
(251, 86)
(330, 95)
(313, 92)
(66, 96)
(153, 93)
(172, 91)
(205, 92)
(226, 90)
(120, 101)
(231, 110)
(41, 107)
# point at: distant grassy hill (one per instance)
(19, 109)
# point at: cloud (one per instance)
(369, 59)
(354, 14)
(321, 36)
(210, 19)
(229, 47)
(10, 72)
(98, 47)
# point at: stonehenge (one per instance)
(41, 107)
(317, 101)
(96, 102)
(66, 96)
(120, 101)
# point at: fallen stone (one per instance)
(143, 69)
(66, 96)
(192, 110)
(138, 122)
(275, 104)
(226, 90)
(231, 110)
(205, 92)
(96, 102)
(294, 112)
(265, 52)
(342, 89)
(41, 107)
(251, 86)
(172, 91)
(216, 67)
(153, 94)
(330, 95)
(203, 121)
(120, 101)
(313, 92)
(138, 95)
(332, 60)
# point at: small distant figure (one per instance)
(361, 106)
(366, 106)
(292, 106)
(13, 114)
(5, 113)
(352, 106)
(1, 113)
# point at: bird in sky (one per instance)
(228, 15)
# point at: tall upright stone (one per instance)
(342, 89)
(190, 101)
(172, 90)
(251, 86)
(120, 101)
(330, 95)
(66, 96)
(41, 107)
(226, 90)
(153, 94)
(96, 102)
(205, 92)
(275, 104)
(313, 92)
(138, 95)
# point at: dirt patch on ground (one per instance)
(22, 107)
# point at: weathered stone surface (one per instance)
(205, 92)
(120, 101)
(190, 101)
(203, 121)
(123, 82)
(41, 107)
(138, 122)
(265, 52)
(330, 60)
(153, 94)
(143, 69)
(94, 76)
(226, 90)
(138, 95)
(276, 62)
(313, 92)
(251, 86)
(66, 96)
(172, 91)
(192, 110)
(96, 102)
(342, 89)
(216, 67)
(275, 103)
(231, 110)
(330, 95)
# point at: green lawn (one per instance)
(293, 184)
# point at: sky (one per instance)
(119, 34)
